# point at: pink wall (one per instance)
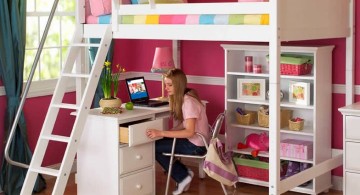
(202, 58)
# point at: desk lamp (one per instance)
(163, 61)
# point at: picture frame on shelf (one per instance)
(251, 89)
(299, 92)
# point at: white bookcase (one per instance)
(316, 115)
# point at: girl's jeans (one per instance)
(183, 146)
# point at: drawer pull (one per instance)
(138, 186)
(139, 157)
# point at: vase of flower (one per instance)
(110, 103)
(110, 86)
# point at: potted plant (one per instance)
(110, 85)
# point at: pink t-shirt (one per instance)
(191, 108)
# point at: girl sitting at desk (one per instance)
(187, 109)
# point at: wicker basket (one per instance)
(285, 116)
(253, 169)
(247, 119)
(296, 126)
(263, 119)
(256, 169)
(295, 69)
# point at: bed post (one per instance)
(115, 4)
(176, 48)
(274, 100)
(350, 60)
(81, 59)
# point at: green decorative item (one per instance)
(129, 106)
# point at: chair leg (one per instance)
(170, 167)
(223, 187)
(201, 170)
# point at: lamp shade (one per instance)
(163, 60)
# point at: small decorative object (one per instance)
(299, 92)
(263, 116)
(293, 148)
(253, 89)
(129, 106)
(281, 95)
(111, 110)
(296, 124)
(248, 63)
(264, 109)
(110, 86)
(296, 167)
(258, 142)
(257, 68)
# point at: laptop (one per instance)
(138, 93)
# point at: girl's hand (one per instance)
(153, 133)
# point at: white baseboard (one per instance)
(337, 182)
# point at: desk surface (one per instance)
(351, 109)
(130, 114)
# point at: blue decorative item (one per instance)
(240, 111)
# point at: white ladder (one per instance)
(82, 109)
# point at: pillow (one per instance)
(157, 1)
(100, 7)
(253, 0)
(87, 8)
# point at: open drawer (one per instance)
(135, 133)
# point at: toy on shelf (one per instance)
(258, 142)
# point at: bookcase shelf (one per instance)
(316, 112)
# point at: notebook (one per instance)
(138, 93)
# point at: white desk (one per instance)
(105, 166)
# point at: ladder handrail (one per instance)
(27, 87)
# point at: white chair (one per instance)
(215, 128)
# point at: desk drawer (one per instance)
(352, 186)
(352, 158)
(138, 184)
(136, 134)
(137, 157)
(352, 130)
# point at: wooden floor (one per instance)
(198, 187)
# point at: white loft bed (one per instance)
(296, 20)
(290, 20)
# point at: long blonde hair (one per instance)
(179, 82)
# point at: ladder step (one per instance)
(75, 75)
(74, 113)
(85, 45)
(67, 106)
(45, 171)
(58, 138)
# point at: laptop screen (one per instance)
(137, 89)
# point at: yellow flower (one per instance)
(107, 64)
(110, 80)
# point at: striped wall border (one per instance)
(47, 88)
